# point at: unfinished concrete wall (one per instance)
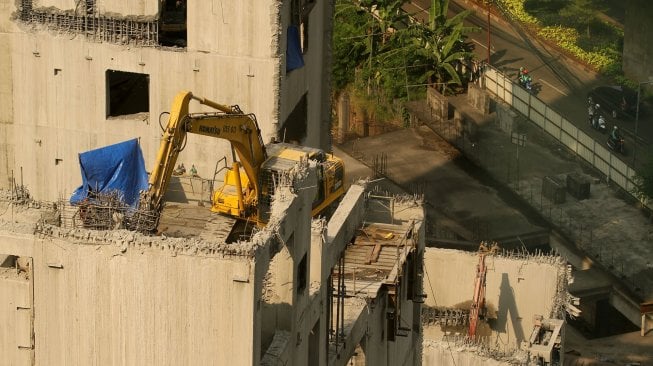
(290, 310)
(370, 327)
(60, 115)
(6, 94)
(15, 323)
(246, 28)
(443, 353)
(438, 104)
(517, 289)
(131, 8)
(54, 94)
(114, 298)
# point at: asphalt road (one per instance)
(561, 83)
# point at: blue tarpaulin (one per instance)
(294, 59)
(119, 167)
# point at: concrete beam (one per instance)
(342, 226)
(626, 306)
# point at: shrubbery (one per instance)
(603, 56)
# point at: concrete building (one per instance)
(78, 75)
(286, 296)
(81, 75)
(526, 302)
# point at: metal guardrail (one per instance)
(556, 125)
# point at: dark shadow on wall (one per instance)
(295, 127)
(274, 316)
(508, 307)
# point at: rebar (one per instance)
(107, 211)
(95, 27)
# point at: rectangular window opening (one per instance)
(173, 23)
(127, 93)
(302, 273)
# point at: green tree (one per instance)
(441, 44)
(644, 178)
(384, 51)
(351, 45)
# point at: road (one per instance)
(559, 82)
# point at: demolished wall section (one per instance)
(133, 7)
(518, 288)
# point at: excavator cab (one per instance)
(282, 158)
(226, 198)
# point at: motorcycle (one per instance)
(598, 123)
(617, 145)
(526, 83)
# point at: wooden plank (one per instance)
(646, 307)
(376, 252)
(364, 242)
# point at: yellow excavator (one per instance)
(249, 184)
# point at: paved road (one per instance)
(559, 82)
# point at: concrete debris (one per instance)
(21, 219)
(276, 349)
(464, 348)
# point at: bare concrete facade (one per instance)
(520, 289)
(54, 92)
(77, 296)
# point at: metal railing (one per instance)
(556, 125)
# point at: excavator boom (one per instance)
(245, 194)
(231, 124)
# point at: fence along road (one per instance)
(561, 129)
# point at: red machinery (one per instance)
(478, 301)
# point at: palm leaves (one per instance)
(391, 51)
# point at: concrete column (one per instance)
(438, 104)
(506, 117)
(478, 98)
(315, 271)
(343, 117)
(645, 319)
(643, 329)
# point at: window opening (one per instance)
(294, 128)
(173, 23)
(127, 93)
(301, 275)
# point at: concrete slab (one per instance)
(426, 164)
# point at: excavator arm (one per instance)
(230, 123)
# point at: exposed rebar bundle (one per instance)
(446, 317)
(107, 211)
(94, 27)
